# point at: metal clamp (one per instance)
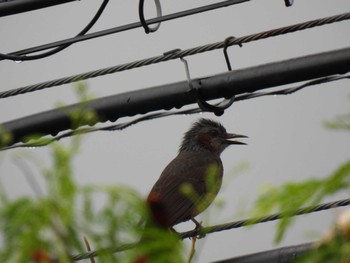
(217, 109)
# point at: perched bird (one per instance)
(191, 181)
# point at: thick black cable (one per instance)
(174, 55)
(122, 126)
(61, 47)
(8, 7)
(179, 94)
(279, 255)
(228, 226)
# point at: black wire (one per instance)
(62, 47)
(288, 3)
(121, 126)
(142, 16)
(118, 29)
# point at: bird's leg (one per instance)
(198, 225)
(198, 228)
(193, 250)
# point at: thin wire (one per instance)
(193, 11)
(62, 47)
(291, 90)
(264, 219)
(227, 226)
(121, 126)
(142, 16)
(175, 55)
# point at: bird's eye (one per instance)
(214, 133)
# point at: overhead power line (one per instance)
(62, 47)
(279, 255)
(156, 115)
(264, 219)
(118, 29)
(174, 55)
(19, 6)
(176, 95)
(228, 226)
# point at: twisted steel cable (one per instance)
(224, 227)
(178, 54)
(272, 217)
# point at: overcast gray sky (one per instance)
(287, 139)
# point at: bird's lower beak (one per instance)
(230, 136)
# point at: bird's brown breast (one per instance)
(187, 186)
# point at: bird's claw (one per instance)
(198, 229)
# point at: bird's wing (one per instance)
(183, 184)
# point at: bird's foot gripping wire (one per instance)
(198, 229)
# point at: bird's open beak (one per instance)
(230, 136)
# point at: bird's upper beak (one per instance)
(234, 136)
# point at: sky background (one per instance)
(287, 139)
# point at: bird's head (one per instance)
(208, 135)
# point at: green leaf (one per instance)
(290, 197)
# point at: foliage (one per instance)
(30, 225)
(335, 251)
(341, 122)
(50, 226)
(5, 137)
(290, 197)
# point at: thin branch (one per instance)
(87, 244)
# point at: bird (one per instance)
(191, 181)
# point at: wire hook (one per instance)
(142, 17)
(217, 109)
(226, 45)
